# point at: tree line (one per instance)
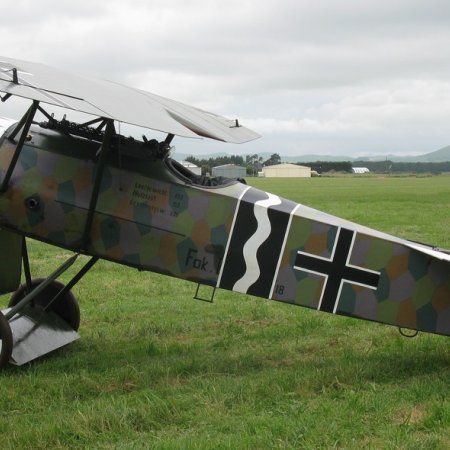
(328, 166)
(388, 166)
(254, 164)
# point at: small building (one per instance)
(192, 167)
(360, 170)
(287, 170)
(229, 171)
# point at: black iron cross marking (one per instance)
(337, 270)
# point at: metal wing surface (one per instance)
(115, 101)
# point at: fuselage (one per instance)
(154, 215)
(149, 213)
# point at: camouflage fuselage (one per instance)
(146, 216)
(231, 236)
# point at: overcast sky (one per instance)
(312, 76)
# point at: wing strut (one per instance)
(15, 80)
(109, 133)
(25, 122)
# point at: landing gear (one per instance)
(64, 305)
(42, 315)
(6, 340)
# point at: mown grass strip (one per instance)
(155, 369)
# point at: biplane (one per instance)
(86, 188)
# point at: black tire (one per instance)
(66, 306)
(6, 341)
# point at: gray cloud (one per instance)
(310, 76)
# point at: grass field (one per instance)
(156, 369)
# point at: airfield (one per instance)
(157, 369)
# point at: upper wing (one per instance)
(115, 101)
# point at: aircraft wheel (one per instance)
(66, 306)
(6, 340)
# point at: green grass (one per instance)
(155, 369)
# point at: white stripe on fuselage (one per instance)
(251, 247)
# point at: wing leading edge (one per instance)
(115, 101)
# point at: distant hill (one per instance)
(313, 158)
(441, 155)
(266, 155)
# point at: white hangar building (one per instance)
(192, 167)
(229, 171)
(360, 170)
(286, 170)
